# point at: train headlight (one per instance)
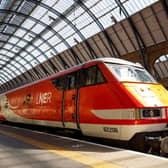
(150, 113)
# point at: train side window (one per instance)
(59, 83)
(71, 81)
(91, 76)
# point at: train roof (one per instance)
(105, 60)
(115, 61)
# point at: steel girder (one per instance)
(33, 33)
(41, 23)
(12, 65)
(68, 22)
(4, 77)
(34, 46)
(165, 5)
(48, 28)
(139, 40)
(94, 18)
(20, 57)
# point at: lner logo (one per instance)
(44, 98)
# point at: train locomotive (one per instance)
(106, 97)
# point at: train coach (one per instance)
(108, 98)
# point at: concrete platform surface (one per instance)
(21, 148)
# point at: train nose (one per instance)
(164, 145)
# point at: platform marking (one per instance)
(89, 161)
(92, 143)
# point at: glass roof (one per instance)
(32, 31)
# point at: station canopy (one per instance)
(33, 31)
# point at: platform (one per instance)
(29, 149)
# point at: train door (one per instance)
(70, 102)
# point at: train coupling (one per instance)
(157, 144)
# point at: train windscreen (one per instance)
(130, 73)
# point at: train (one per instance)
(108, 98)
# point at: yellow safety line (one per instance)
(73, 155)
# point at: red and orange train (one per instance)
(107, 98)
